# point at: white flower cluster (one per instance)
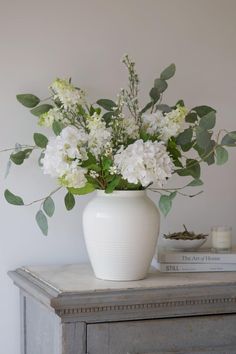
(67, 94)
(54, 114)
(145, 163)
(131, 129)
(64, 155)
(99, 136)
(165, 125)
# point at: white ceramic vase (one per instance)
(121, 231)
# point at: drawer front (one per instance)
(189, 335)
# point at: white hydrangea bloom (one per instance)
(47, 119)
(74, 177)
(165, 125)
(145, 163)
(99, 135)
(63, 156)
(68, 95)
(74, 142)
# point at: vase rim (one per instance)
(121, 193)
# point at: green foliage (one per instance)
(179, 103)
(49, 206)
(108, 116)
(42, 222)
(57, 127)
(19, 157)
(192, 169)
(168, 72)
(203, 137)
(147, 107)
(208, 121)
(69, 201)
(203, 110)
(165, 202)
(191, 117)
(40, 140)
(195, 183)
(39, 110)
(164, 108)
(221, 155)
(174, 152)
(109, 105)
(160, 85)
(185, 137)
(12, 198)
(28, 100)
(207, 154)
(88, 188)
(154, 94)
(229, 139)
(113, 184)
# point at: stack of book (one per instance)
(203, 260)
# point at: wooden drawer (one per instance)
(189, 335)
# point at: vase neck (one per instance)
(121, 193)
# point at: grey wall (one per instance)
(86, 39)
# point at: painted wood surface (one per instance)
(203, 334)
(65, 310)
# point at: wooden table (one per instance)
(66, 310)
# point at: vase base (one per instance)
(120, 280)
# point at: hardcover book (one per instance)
(197, 267)
(203, 256)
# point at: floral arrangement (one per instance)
(118, 145)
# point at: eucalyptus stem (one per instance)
(44, 198)
(22, 146)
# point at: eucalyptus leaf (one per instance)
(164, 108)
(221, 155)
(229, 139)
(57, 127)
(40, 140)
(148, 106)
(39, 110)
(165, 203)
(28, 100)
(19, 157)
(191, 117)
(192, 169)
(208, 121)
(42, 222)
(161, 85)
(185, 137)
(154, 94)
(12, 198)
(49, 206)
(203, 137)
(107, 104)
(168, 72)
(207, 155)
(69, 201)
(195, 183)
(203, 110)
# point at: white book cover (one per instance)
(201, 256)
(189, 268)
